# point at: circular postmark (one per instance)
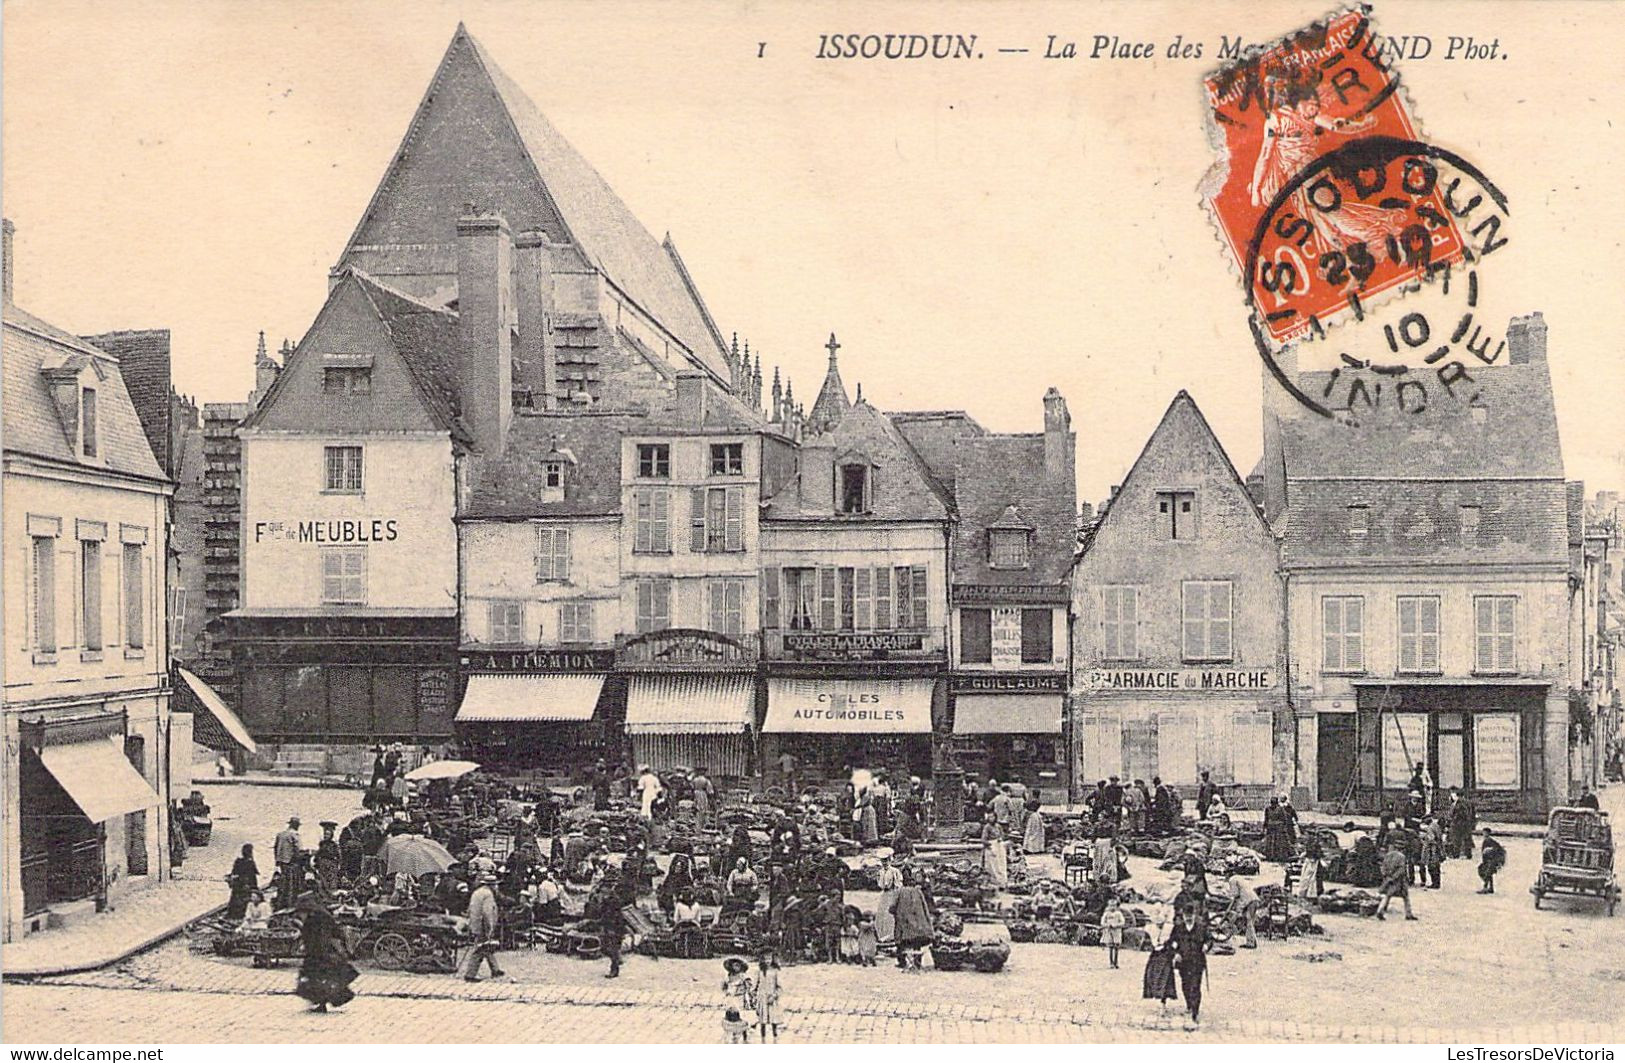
(1376, 251)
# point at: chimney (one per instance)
(1526, 339)
(1086, 514)
(534, 294)
(10, 231)
(818, 477)
(484, 316)
(691, 388)
(1058, 442)
(1255, 489)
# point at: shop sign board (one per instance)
(1404, 742)
(1029, 593)
(1180, 679)
(1496, 751)
(1009, 683)
(539, 661)
(1006, 638)
(852, 645)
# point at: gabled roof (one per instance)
(593, 217)
(999, 482)
(936, 436)
(31, 422)
(905, 488)
(512, 486)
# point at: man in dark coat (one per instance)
(1463, 819)
(1204, 796)
(1189, 939)
(600, 786)
(1162, 807)
(1111, 810)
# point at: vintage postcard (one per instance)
(908, 524)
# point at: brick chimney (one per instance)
(691, 398)
(534, 294)
(10, 230)
(1526, 339)
(485, 316)
(1058, 442)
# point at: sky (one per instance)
(974, 231)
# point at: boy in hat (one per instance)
(483, 928)
(285, 852)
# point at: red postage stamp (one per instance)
(1321, 211)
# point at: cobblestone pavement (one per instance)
(141, 917)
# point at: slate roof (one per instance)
(993, 472)
(906, 488)
(30, 419)
(604, 228)
(512, 486)
(143, 359)
(936, 436)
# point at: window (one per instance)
(1206, 615)
(652, 534)
(344, 575)
(87, 421)
(770, 598)
(913, 604)
(1037, 636)
(552, 554)
(1359, 520)
(553, 475)
(717, 519)
(44, 594)
(347, 380)
(800, 598)
(1419, 635)
(135, 635)
(1009, 548)
(847, 578)
(507, 618)
(343, 469)
(654, 605)
(1342, 622)
(727, 606)
(883, 599)
(654, 461)
(177, 618)
(90, 593)
(976, 636)
(1120, 621)
(826, 599)
(1469, 525)
(863, 598)
(575, 621)
(1176, 515)
(854, 497)
(727, 459)
(1495, 622)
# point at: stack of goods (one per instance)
(980, 946)
(1349, 900)
(960, 883)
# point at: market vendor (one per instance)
(679, 878)
(329, 860)
(742, 882)
(257, 916)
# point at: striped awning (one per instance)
(99, 778)
(217, 708)
(690, 704)
(1007, 714)
(530, 698)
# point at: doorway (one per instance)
(1334, 755)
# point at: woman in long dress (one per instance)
(244, 880)
(1158, 982)
(1033, 839)
(326, 973)
(890, 882)
(1105, 857)
(868, 822)
(995, 861)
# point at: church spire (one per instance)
(832, 403)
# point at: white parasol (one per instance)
(441, 769)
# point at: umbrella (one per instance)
(415, 855)
(441, 769)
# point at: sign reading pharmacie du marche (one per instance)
(1184, 679)
(559, 660)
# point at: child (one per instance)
(257, 916)
(1112, 922)
(765, 995)
(735, 1031)
(849, 936)
(868, 941)
(1493, 857)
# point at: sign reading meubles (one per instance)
(327, 531)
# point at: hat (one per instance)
(330, 824)
(736, 965)
(293, 821)
(487, 878)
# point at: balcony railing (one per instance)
(909, 644)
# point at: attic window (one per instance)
(1176, 515)
(1359, 519)
(553, 474)
(855, 486)
(1009, 548)
(87, 421)
(347, 380)
(1469, 525)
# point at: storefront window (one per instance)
(976, 636)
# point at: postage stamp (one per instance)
(1305, 130)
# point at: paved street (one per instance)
(1472, 966)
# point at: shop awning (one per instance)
(214, 706)
(530, 698)
(1007, 714)
(690, 704)
(99, 778)
(848, 706)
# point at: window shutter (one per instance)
(90, 586)
(826, 599)
(1110, 607)
(1219, 612)
(922, 600)
(883, 600)
(134, 598)
(1354, 634)
(714, 591)
(770, 597)
(1129, 610)
(976, 636)
(45, 594)
(660, 533)
(736, 607)
(863, 592)
(696, 520)
(1409, 648)
(735, 517)
(561, 553)
(1037, 636)
(1428, 635)
(1331, 630)
(1194, 611)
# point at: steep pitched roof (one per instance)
(999, 482)
(512, 486)
(567, 187)
(32, 424)
(936, 436)
(906, 488)
(143, 361)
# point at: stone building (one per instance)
(1427, 581)
(91, 746)
(1177, 651)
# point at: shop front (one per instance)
(1008, 726)
(1484, 738)
(548, 711)
(85, 809)
(835, 725)
(693, 721)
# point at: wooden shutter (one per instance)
(696, 520)
(1194, 613)
(883, 599)
(975, 636)
(90, 586)
(561, 553)
(1427, 635)
(905, 597)
(660, 530)
(1037, 636)
(770, 597)
(1354, 634)
(45, 594)
(134, 598)
(1219, 601)
(863, 595)
(826, 599)
(734, 516)
(643, 527)
(922, 599)
(845, 582)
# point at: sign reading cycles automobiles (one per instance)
(1182, 679)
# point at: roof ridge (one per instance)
(368, 278)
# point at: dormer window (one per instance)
(1010, 548)
(553, 475)
(347, 374)
(556, 471)
(87, 421)
(855, 487)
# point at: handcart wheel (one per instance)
(391, 951)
